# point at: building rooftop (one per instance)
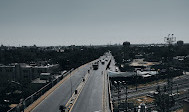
(46, 74)
(39, 81)
(120, 74)
(24, 65)
(141, 62)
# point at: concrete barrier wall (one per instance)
(109, 89)
(110, 96)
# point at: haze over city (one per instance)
(96, 22)
(94, 56)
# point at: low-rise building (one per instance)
(45, 76)
(23, 73)
(186, 105)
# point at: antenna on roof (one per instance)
(170, 39)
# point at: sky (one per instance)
(96, 22)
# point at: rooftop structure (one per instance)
(22, 72)
(186, 105)
(141, 62)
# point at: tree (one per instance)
(163, 100)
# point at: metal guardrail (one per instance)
(32, 98)
(110, 96)
(109, 90)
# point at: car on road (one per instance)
(95, 66)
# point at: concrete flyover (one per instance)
(91, 96)
(60, 93)
(94, 95)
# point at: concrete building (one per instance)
(7, 73)
(186, 105)
(45, 76)
(180, 43)
(23, 73)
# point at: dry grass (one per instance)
(147, 84)
(180, 110)
(183, 92)
(142, 99)
(13, 105)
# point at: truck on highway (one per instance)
(95, 66)
(103, 61)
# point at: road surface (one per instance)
(91, 97)
(62, 94)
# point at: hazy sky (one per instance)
(84, 22)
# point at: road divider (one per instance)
(76, 94)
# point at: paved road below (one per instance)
(91, 97)
(62, 94)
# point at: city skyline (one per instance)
(85, 22)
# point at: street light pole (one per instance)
(126, 103)
(70, 85)
(118, 84)
(177, 91)
(136, 79)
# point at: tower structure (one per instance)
(170, 39)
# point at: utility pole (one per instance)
(170, 93)
(126, 103)
(118, 95)
(170, 39)
(177, 91)
(70, 85)
(136, 80)
(170, 86)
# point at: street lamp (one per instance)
(136, 77)
(126, 103)
(70, 85)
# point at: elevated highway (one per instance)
(91, 98)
